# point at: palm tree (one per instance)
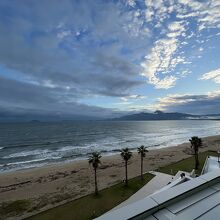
(142, 151)
(94, 159)
(196, 143)
(126, 155)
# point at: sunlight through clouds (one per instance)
(100, 53)
(160, 63)
(189, 103)
(160, 60)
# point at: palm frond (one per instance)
(196, 143)
(94, 159)
(126, 154)
(142, 150)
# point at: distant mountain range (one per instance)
(143, 116)
(159, 115)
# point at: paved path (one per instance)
(160, 180)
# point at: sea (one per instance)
(37, 144)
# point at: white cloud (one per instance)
(165, 55)
(172, 99)
(185, 73)
(149, 14)
(133, 97)
(131, 3)
(212, 75)
(63, 34)
(122, 31)
(49, 84)
(206, 12)
(135, 26)
(176, 29)
(161, 61)
(157, 11)
(176, 26)
(208, 103)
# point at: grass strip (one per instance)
(187, 164)
(92, 206)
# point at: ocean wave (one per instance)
(21, 166)
(80, 149)
(112, 143)
(77, 142)
(26, 153)
(24, 162)
(67, 148)
(31, 161)
(32, 144)
(81, 152)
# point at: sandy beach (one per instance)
(55, 184)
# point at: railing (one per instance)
(205, 165)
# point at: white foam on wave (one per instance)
(32, 161)
(24, 162)
(67, 148)
(22, 166)
(26, 153)
(78, 148)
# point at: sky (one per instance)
(105, 58)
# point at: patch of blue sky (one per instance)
(12, 74)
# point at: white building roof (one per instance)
(198, 198)
(211, 164)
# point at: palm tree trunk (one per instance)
(142, 168)
(126, 172)
(96, 187)
(196, 161)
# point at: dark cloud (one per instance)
(63, 52)
(115, 64)
(196, 104)
(22, 98)
(56, 56)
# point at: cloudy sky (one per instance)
(106, 57)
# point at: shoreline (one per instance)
(104, 155)
(71, 146)
(53, 184)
